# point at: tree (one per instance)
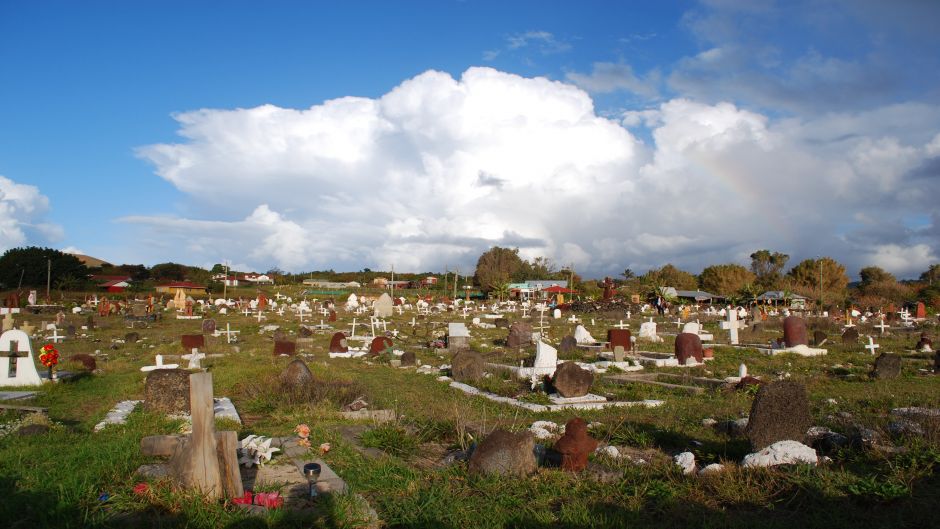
(497, 266)
(725, 279)
(807, 276)
(932, 275)
(32, 264)
(872, 274)
(168, 271)
(218, 268)
(767, 267)
(628, 274)
(670, 276)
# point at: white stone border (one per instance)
(470, 390)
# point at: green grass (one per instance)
(56, 479)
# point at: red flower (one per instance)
(270, 500)
(141, 488)
(244, 500)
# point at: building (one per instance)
(258, 279)
(191, 289)
(112, 283)
(697, 296)
(429, 281)
(323, 283)
(775, 297)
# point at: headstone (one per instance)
(132, 337)
(920, 312)
(380, 344)
(619, 337)
(352, 302)
(59, 319)
(17, 367)
(780, 412)
(618, 353)
(520, 335)
(70, 331)
(338, 343)
(850, 336)
(193, 341)
(688, 346)
(167, 391)
(568, 345)
(887, 366)
(648, 331)
(296, 374)
(85, 360)
(408, 359)
(924, 345)
(572, 381)
(819, 338)
(582, 336)
(90, 322)
(732, 325)
(208, 326)
(502, 323)
(285, 348)
(458, 337)
(794, 332)
(556, 314)
(384, 306)
(504, 453)
(467, 366)
(332, 316)
(546, 359)
(575, 446)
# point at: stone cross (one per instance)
(871, 345)
(732, 326)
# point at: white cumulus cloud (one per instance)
(22, 210)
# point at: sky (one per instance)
(349, 135)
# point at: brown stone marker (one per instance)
(379, 345)
(572, 381)
(285, 348)
(208, 326)
(619, 337)
(193, 341)
(794, 332)
(687, 346)
(332, 317)
(338, 343)
(575, 446)
(920, 312)
(850, 336)
(504, 453)
(780, 412)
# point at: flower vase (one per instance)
(52, 374)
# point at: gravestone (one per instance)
(296, 374)
(284, 347)
(582, 336)
(332, 316)
(193, 341)
(383, 307)
(167, 391)
(687, 346)
(575, 446)
(90, 322)
(458, 337)
(132, 337)
(279, 336)
(619, 337)
(648, 331)
(467, 366)
(568, 345)
(504, 453)
(520, 335)
(70, 331)
(572, 381)
(819, 338)
(85, 360)
(8, 322)
(924, 345)
(304, 332)
(380, 344)
(502, 323)
(920, 311)
(887, 366)
(780, 412)
(208, 326)
(546, 359)
(338, 343)
(794, 332)
(17, 367)
(408, 359)
(850, 336)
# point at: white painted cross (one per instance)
(573, 319)
(55, 336)
(246, 312)
(628, 314)
(159, 365)
(622, 325)
(871, 345)
(260, 316)
(732, 326)
(678, 323)
(300, 314)
(353, 328)
(228, 332)
(194, 359)
(882, 326)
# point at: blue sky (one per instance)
(311, 135)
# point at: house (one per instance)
(258, 279)
(323, 283)
(112, 283)
(186, 287)
(380, 282)
(429, 281)
(796, 301)
(697, 296)
(229, 281)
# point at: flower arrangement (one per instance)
(49, 356)
(256, 450)
(303, 431)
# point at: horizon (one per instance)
(603, 137)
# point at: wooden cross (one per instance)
(882, 326)
(14, 348)
(871, 345)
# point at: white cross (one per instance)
(246, 312)
(260, 316)
(628, 314)
(228, 332)
(55, 336)
(573, 319)
(160, 365)
(678, 322)
(872, 345)
(622, 325)
(194, 359)
(882, 326)
(300, 314)
(732, 326)
(353, 328)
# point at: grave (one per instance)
(166, 391)
(887, 366)
(688, 346)
(794, 331)
(285, 347)
(520, 335)
(850, 337)
(338, 343)
(648, 332)
(572, 381)
(575, 445)
(780, 412)
(732, 325)
(582, 336)
(193, 341)
(621, 338)
(458, 337)
(17, 367)
(159, 365)
(208, 326)
(384, 306)
(467, 366)
(379, 345)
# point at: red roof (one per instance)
(110, 278)
(555, 289)
(112, 283)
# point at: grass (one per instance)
(56, 479)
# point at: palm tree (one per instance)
(501, 290)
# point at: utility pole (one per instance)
(225, 283)
(446, 272)
(456, 280)
(818, 260)
(393, 281)
(48, 278)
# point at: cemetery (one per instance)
(368, 410)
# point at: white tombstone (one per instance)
(352, 302)
(17, 367)
(556, 313)
(692, 327)
(648, 331)
(457, 330)
(582, 336)
(384, 306)
(546, 359)
(742, 371)
(194, 359)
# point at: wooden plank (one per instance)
(159, 445)
(227, 446)
(202, 456)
